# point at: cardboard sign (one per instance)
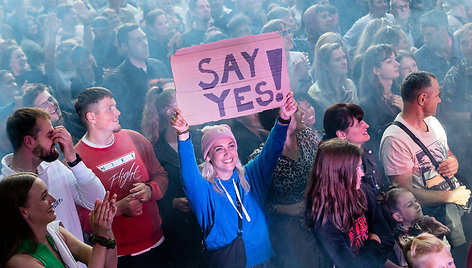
(231, 78)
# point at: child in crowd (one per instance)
(407, 217)
(344, 216)
(426, 250)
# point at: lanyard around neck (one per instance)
(239, 199)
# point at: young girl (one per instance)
(407, 216)
(223, 190)
(426, 250)
(345, 219)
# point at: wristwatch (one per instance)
(75, 162)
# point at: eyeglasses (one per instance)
(44, 105)
(403, 7)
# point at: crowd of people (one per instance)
(355, 169)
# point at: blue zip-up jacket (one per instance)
(216, 215)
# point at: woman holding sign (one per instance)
(227, 198)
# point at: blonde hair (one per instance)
(422, 246)
(209, 174)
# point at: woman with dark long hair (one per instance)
(31, 237)
(344, 218)
(181, 230)
(379, 94)
(14, 60)
(346, 122)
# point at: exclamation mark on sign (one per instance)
(275, 62)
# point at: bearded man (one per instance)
(33, 140)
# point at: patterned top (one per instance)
(290, 177)
(403, 234)
(456, 88)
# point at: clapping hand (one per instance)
(101, 217)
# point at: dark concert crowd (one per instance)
(365, 163)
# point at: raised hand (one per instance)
(180, 125)
(63, 137)
(52, 24)
(397, 101)
(301, 67)
(289, 108)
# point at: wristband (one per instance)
(284, 121)
(183, 132)
(76, 161)
(109, 243)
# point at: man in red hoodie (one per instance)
(127, 166)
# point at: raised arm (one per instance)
(52, 25)
(180, 125)
(195, 186)
(260, 169)
(86, 187)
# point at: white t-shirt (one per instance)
(400, 154)
(69, 186)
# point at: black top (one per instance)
(374, 178)
(353, 249)
(129, 86)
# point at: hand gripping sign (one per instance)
(230, 78)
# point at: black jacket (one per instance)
(129, 86)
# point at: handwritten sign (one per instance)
(230, 78)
